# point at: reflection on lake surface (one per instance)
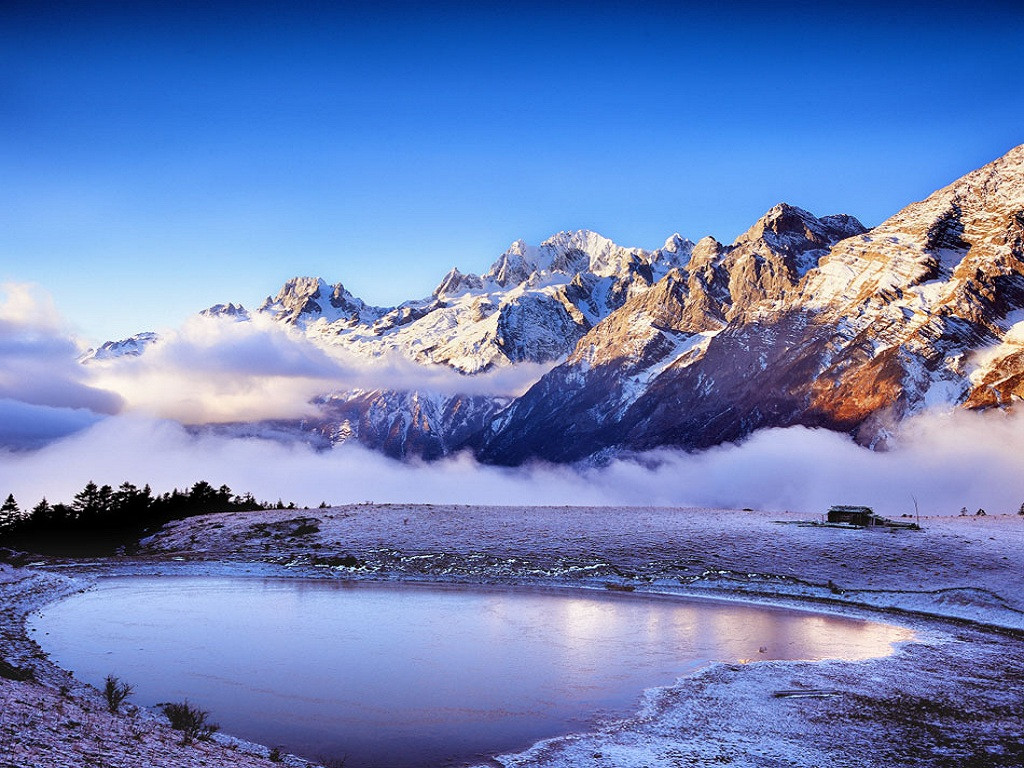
(408, 675)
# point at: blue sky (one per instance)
(156, 161)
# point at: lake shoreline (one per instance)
(508, 665)
(950, 689)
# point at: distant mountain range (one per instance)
(801, 321)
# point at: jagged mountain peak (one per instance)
(133, 346)
(788, 227)
(582, 239)
(576, 236)
(569, 252)
(706, 246)
(455, 283)
(802, 320)
(516, 264)
(311, 298)
(676, 243)
(231, 310)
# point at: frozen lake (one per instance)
(409, 675)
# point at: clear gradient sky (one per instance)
(159, 158)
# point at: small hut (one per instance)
(853, 515)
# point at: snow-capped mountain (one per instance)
(801, 320)
(580, 406)
(924, 309)
(133, 346)
(533, 304)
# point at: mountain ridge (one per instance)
(800, 321)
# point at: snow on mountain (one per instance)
(801, 320)
(923, 299)
(581, 406)
(304, 301)
(533, 304)
(234, 311)
(821, 324)
(401, 424)
(133, 346)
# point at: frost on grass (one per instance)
(953, 697)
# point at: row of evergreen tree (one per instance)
(104, 511)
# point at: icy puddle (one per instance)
(382, 674)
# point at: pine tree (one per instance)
(202, 493)
(10, 514)
(41, 513)
(224, 496)
(87, 501)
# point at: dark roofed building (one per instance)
(844, 513)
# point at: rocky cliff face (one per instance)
(825, 325)
(532, 305)
(627, 361)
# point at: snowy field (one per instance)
(953, 696)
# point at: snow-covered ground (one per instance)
(953, 696)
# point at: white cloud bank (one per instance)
(212, 369)
(217, 370)
(951, 461)
(44, 392)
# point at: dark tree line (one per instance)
(102, 517)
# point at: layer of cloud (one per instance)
(215, 369)
(26, 426)
(947, 462)
(39, 372)
(210, 370)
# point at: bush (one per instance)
(191, 721)
(115, 692)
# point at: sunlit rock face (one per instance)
(532, 305)
(653, 371)
(801, 321)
